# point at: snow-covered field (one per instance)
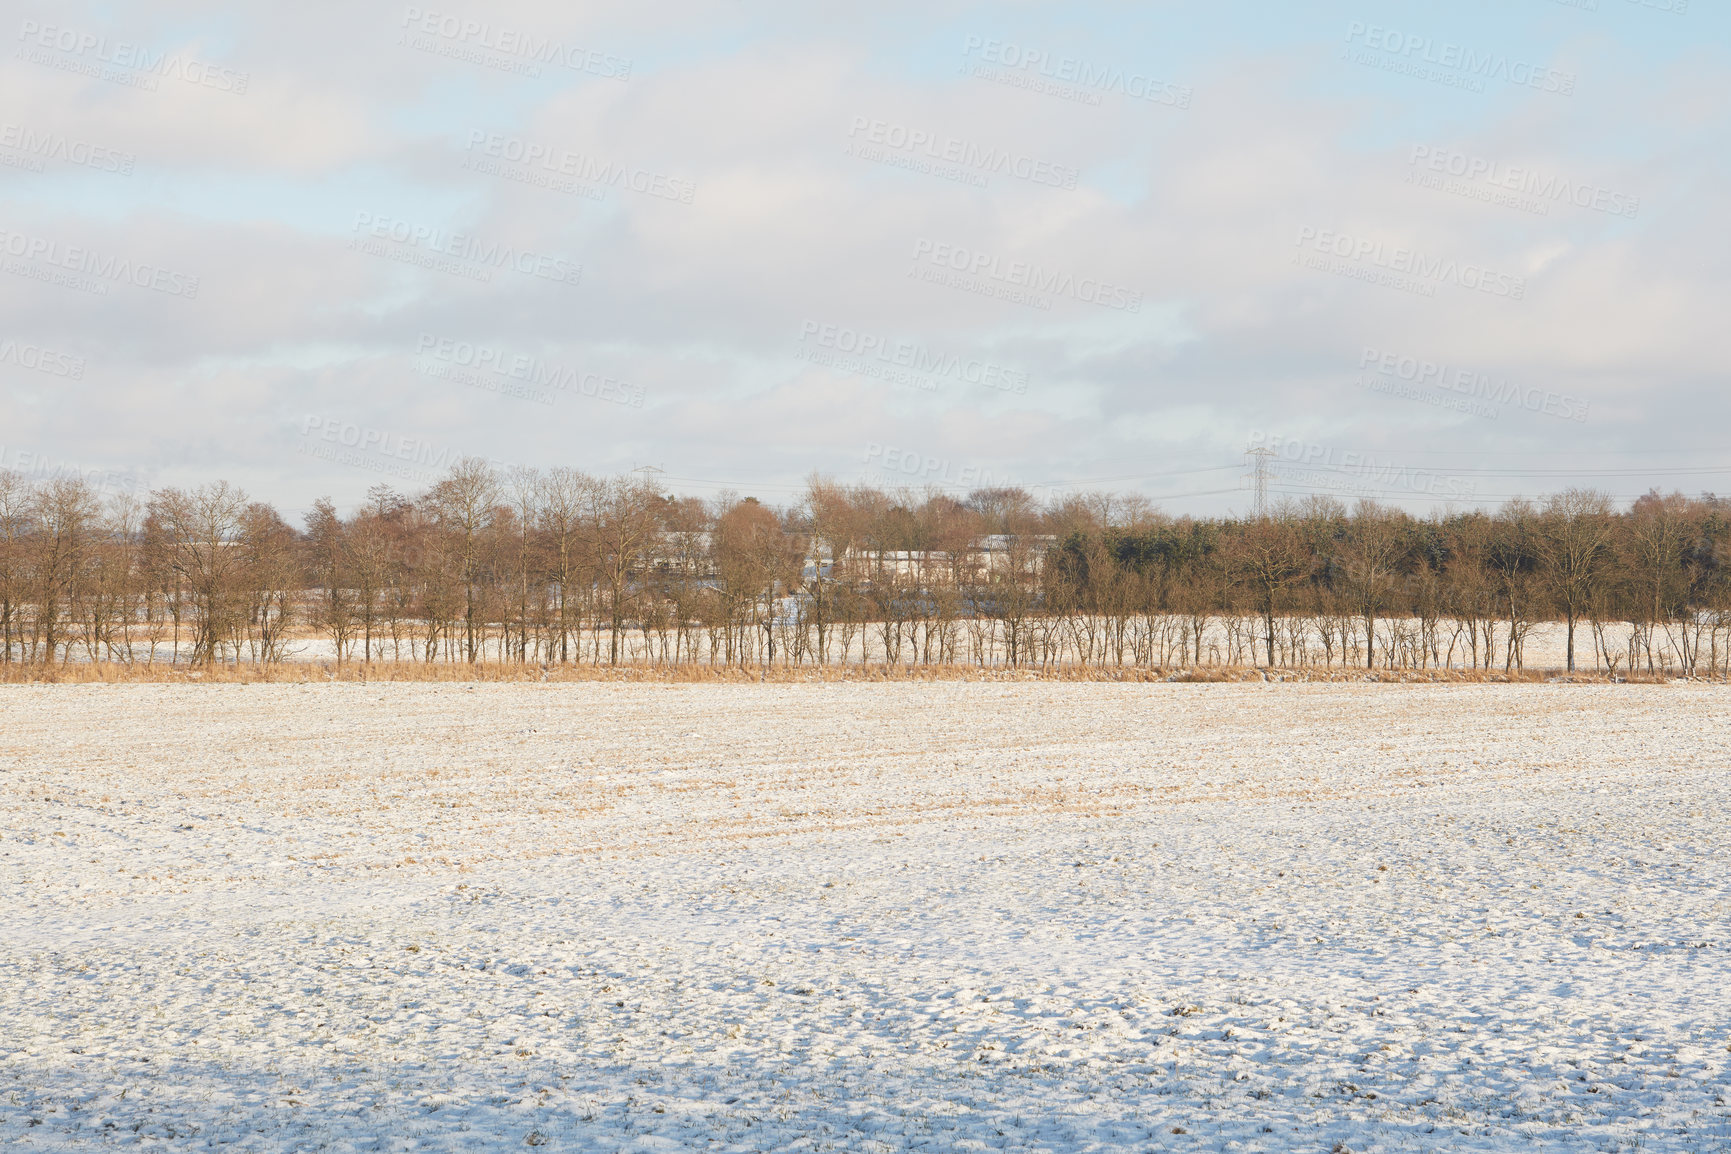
(940, 916)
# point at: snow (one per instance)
(849, 916)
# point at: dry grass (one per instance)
(306, 672)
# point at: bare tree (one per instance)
(327, 549)
(1470, 590)
(1268, 557)
(755, 560)
(64, 516)
(524, 487)
(1517, 565)
(565, 495)
(16, 522)
(370, 551)
(1655, 544)
(1369, 558)
(835, 529)
(543, 559)
(199, 534)
(623, 521)
(272, 576)
(115, 597)
(1574, 535)
(463, 504)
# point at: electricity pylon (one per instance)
(1259, 471)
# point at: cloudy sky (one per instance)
(1436, 253)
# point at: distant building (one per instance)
(994, 553)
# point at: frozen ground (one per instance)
(943, 916)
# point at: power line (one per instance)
(1267, 458)
(1132, 477)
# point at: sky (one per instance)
(1433, 254)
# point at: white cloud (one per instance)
(700, 305)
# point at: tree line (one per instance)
(557, 566)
